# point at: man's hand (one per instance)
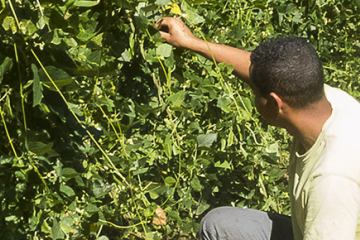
(175, 32)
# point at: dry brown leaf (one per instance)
(159, 218)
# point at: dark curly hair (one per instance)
(289, 67)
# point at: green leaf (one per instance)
(155, 191)
(46, 228)
(226, 68)
(66, 224)
(41, 23)
(297, 17)
(193, 17)
(170, 61)
(59, 76)
(83, 3)
(103, 238)
(75, 109)
(94, 57)
(162, 2)
(164, 50)
(28, 27)
(178, 98)
(100, 189)
(187, 227)
(202, 208)
(7, 106)
(223, 103)
(225, 164)
(56, 231)
(92, 208)
(273, 148)
(205, 140)
(37, 88)
(33, 222)
(67, 190)
(170, 181)
(140, 171)
(58, 168)
(195, 184)
(9, 23)
(55, 74)
(4, 67)
(69, 173)
(11, 218)
(248, 103)
(88, 31)
(56, 40)
(290, 8)
(125, 56)
(5, 160)
(40, 148)
(168, 145)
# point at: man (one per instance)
(287, 78)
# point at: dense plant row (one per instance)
(107, 132)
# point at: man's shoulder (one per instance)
(344, 122)
(340, 98)
(341, 155)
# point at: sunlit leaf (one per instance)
(224, 164)
(170, 181)
(168, 145)
(67, 190)
(164, 50)
(205, 140)
(84, 3)
(57, 233)
(103, 238)
(223, 102)
(162, 2)
(202, 208)
(178, 98)
(75, 109)
(195, 184)
(9, 24)
(193, 17)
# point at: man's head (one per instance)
(288, 68)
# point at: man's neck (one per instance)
(306, 124)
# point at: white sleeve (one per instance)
(332, 209)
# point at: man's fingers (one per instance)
(174, 31)
(158, 23)
(165, 35)
(161, 22)
(165, 23)
(162, 25)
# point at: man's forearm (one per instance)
(238, 58)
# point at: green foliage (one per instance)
(102, 122)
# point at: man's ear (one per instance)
(277, 101)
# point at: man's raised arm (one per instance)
(175, 32)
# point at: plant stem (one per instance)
(7, 132)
